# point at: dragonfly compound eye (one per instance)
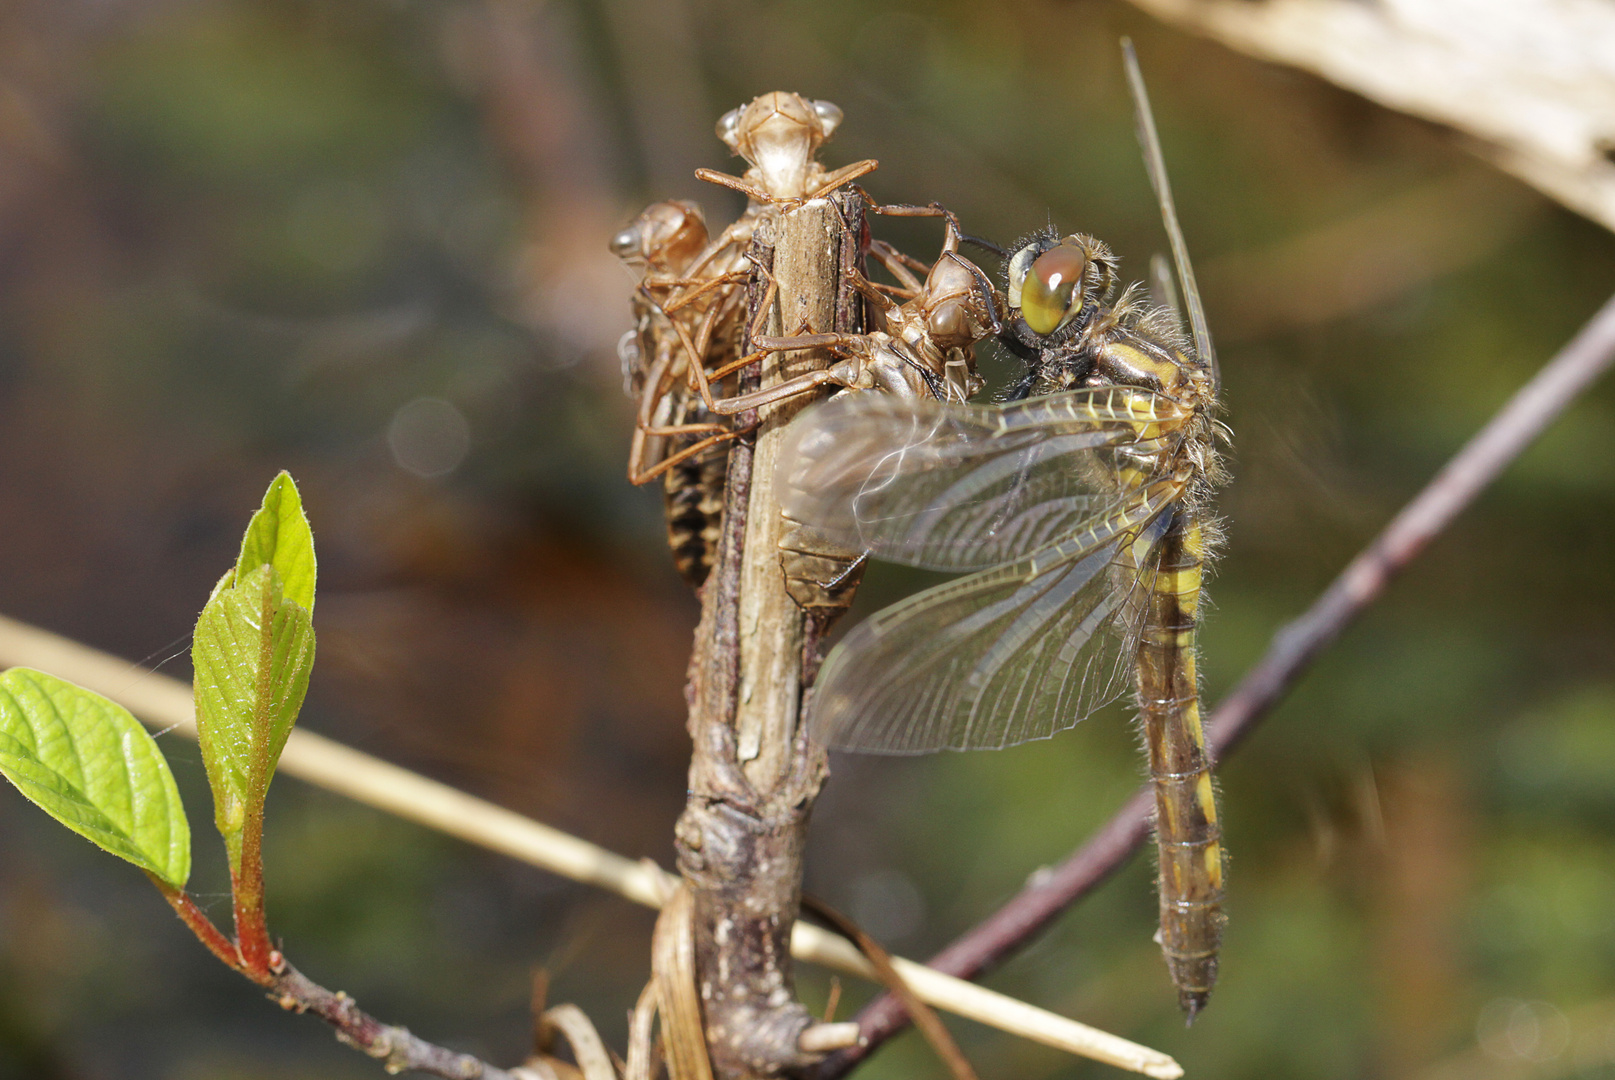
(1051, 293)
(626, 244)
(829, 116)
(729, 129)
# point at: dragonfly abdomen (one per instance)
(1187, 833)
(693, 499)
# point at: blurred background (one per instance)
(365, 240)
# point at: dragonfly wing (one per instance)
(1163, 290)
(1155, 164)
(961, 487)
(1002, 657)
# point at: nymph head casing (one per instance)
(960, 304)
(778, 135)
(664, 238)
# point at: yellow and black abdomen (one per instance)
(1187, 833)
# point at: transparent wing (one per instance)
(1011, 654)
(1155, 165)
(961, 487)
(1163, 291)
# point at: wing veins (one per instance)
(914, 687)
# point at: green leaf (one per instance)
(253, 651)
(90, 765)
(280, 536)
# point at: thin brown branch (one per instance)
(1513, 428)
(197, 922)
(395, 1047)
(926, 1019)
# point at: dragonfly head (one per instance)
(959, 304)
(1053, 281)
(666, 236)
(778, 134)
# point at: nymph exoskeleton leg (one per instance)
(843, 175)
(900, 266)
(688, 452)
(657, 385)
(736, 236)
(735, 183)
(950, 240)
(695, 349)
(849, 346)
(802, 384)
(651, 421)
(651, 396)
(695, 287)
(702, 379)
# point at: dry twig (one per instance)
(588, 1050)
(925, 1019)
(396, 1047)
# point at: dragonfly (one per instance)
(1082, 514)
